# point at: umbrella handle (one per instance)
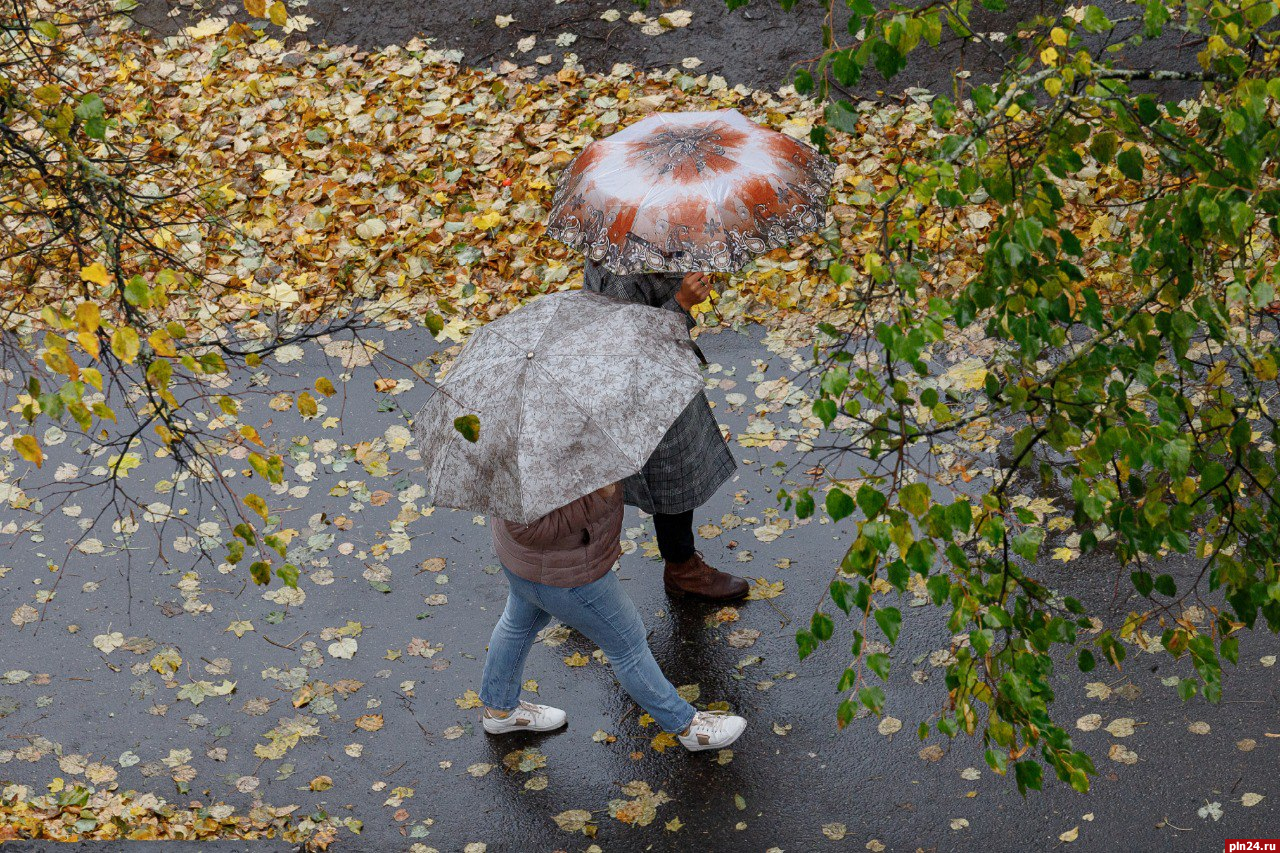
(698, 352)
(715, 310)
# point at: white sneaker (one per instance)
(712, 730)
(528, 717)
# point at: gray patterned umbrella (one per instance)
(573, 392)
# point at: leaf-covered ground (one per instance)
(401, 175)
(139, 660)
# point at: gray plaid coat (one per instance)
(692, 461)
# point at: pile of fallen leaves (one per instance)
(81, 813)
(403, 181)
(398, 176)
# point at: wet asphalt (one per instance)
(793, 773)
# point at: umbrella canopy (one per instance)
(697, 191)
(573, 392)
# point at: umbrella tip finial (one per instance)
(529, 354)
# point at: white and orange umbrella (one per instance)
(682, 192)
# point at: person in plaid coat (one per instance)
(691, 462)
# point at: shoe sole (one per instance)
(681, 593)
(515, 729)
(511, 729)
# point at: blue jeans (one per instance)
(603, 612)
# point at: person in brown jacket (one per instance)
(560, 566)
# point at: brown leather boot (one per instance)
(694, 577)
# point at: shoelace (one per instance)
(710, 719)
(523, 706)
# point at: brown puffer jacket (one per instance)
(567, 547)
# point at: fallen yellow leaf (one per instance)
(762, 589)
(369, 722)
(95, 273)
(662, 740)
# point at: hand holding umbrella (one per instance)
(695, 289)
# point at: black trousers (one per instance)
(675, 535)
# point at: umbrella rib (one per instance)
(546, 326)
(715, 207)
(437, 470)
(706, 191)
(680, 369)
(490, 330)
(647, 193)
(618, 169)
(585, 414)
(600, 355)
(456, 376)
(519, 472)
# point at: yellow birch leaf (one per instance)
(29, 449)
(95, 273)
(762, 589)
(369, 722)
(88, 317)
(967, 375)
(492, 219)
(60, 362)
(89, 343)
(162, 343)
(257, 504)
(662, 740)
(166, 435)
(125, 344)
(278, 14)
(252, 434)
(572, 820)
(48, 94)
